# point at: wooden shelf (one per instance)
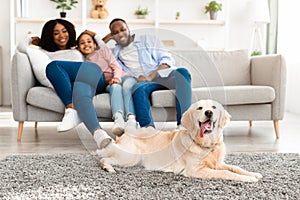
(191, 22)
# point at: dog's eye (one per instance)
(199, 108)
(214, 107)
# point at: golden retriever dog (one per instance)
(198, 151)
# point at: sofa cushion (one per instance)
(46, 98)
(227, 95)
(215, 68)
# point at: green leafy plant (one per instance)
(141, 11)
(256, 53)
(65, 4)
(213, 6)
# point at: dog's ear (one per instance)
(187, 120)
(224, 119)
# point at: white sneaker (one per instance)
(69, 121)
(180, 127)
(131, 124)
(118, 127)
(101, 138)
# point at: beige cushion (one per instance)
(215, 68)
(228, 95)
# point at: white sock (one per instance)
(131, 117)
(119, 118)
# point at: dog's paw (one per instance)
(257, 175)
(250, 179)
(109, 169)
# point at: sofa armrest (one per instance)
(22, 79)
(270, 70)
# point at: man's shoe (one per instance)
(131, 124)
(69, 121)
(180, 127)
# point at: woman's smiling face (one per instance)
(60, 36)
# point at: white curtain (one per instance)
(288, 44)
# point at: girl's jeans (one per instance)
(121, 96)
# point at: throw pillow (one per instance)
(40, 58)
(39, 61)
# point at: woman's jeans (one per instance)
(78, 82)
(121, 96)
(179, 79)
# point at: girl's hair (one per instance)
(47, 41)
(78, 38)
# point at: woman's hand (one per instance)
(91, 33)
(35, 41)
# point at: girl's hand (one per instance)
(114, 81)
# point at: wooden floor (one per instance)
(237, 136)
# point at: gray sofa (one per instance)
(250, 88)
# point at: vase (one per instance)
(213, 15)
(140, 16)
(63, 14)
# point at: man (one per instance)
(144, 57)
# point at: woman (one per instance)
(57, 35)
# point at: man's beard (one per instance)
(128, 41)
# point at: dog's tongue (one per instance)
(205, 126)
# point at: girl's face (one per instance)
(60, 36)
(86, 44)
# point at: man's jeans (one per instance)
(179, 79)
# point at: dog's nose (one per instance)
(208, 113)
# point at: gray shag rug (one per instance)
(78, 176)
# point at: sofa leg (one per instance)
(276, 127)
(20, 130)
(250, 123)
(35, 125)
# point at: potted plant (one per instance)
(213, 7)
(141, 12)
(64, 5)
(177, 15)
(256, 53)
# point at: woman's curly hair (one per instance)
(47, 41)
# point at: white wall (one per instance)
(237, 22)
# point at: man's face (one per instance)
(120, 32)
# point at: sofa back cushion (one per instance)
(215, 68)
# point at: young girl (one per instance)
(119, 82)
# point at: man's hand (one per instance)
(143, 78)
(107, 38)
(114, 81)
